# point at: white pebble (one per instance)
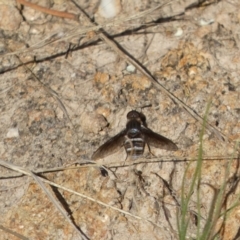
(204, 22)
(131, 68)
(179, 32)
(13, 133)
(109, 8)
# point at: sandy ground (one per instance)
(66, 89)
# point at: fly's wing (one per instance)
(110, 147)
(157, 140)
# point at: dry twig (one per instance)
(129, 59)
(29, 173)
(17, 235)
(78, 31)
(39, 181)
(49, 11)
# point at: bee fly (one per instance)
(133, 138)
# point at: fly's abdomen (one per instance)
(134, 146)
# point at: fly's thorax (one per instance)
(133, 133)
(133, 128)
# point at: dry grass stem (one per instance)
(29, 173)
(115, 46)
(17, 235)
(116, 164)
(77, 32)
(47, 89)
(48, 11)
(39, 182)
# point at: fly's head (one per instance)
(137, 116)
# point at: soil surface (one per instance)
(66, 87)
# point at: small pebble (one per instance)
(178, 33)
(12, 133)
(131, 68)
(109, 8)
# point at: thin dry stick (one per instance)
(29, 173)
(17, 235)
(132, 61)
(49, 11)
(76, 32)
(38, 180)
(48, 89)
(116, 164)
